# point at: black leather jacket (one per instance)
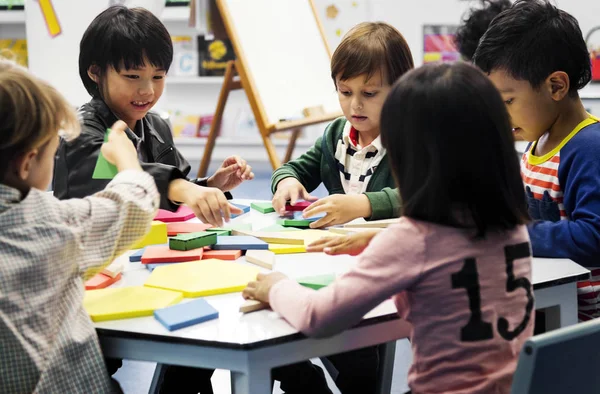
(75, 161)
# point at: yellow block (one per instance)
(287, 249)
(156, 236)
(203, 278)
(50, 17)
(127, 302)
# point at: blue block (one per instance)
(298, 216)
(240, 242)
(244, 208)
(186, 314)
(151, 267)
(137, 256)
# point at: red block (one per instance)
(183, 213)
(100, 281)
(222, 254)
(185, 228)
(162, 254)
(300, 206)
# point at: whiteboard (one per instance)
(280, 46)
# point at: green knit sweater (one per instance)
(318, 165)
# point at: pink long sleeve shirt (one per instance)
(470, 302)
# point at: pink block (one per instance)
(162, 254)
(183, 213)
(300, 206)
(100, 281)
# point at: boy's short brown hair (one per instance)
(371, 47)
(31, 113)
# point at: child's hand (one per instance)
(233, 171)
(289, 189)
(209, 204)
(259, 289)
(339, 209)
(352, 244)
(119, 149)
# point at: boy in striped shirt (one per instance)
(536, 56)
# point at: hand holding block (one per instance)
(253, 306)
(244, 208)
(262, 207)
(297, 220)
(183, 213)
(299, 206)
(239, 242)
(162, 254)
(262, 258)
(192, 241)
(100, 281)
(156, 236)
(175, 228)
(104, 169)
(186, 314)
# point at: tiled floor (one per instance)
(135, 377)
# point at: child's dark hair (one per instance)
(475, 23)
(533, 39)
(371, 47)
(448, 138)
(122, 37)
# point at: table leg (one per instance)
(387, 355)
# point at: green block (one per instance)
(192, 240)
(103, 169)
(219, 231)
(262, 207)
(294, 222)
(317, 282)
(278, 228)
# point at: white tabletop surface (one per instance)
(234, 329)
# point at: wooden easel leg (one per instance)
(217, 119)
(270, 147)
(291, 145)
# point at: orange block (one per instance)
(100, 281)
(175, 228)
(222, 254)
(162, 254)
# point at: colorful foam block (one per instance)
(136, 256)
(175, 228)
(253, 306)
(244, 208)
(114, 268)
(299, 206)
(162, 254)
(262, 258)
(297, 220)
(182, 214)
(192, 241)
(186, 314)
(262, 207)
(203, 278)
(100, 281)
(317, 282)
(156, 236)
(239, 242)
(287, 249)
(222, 254)
(127, 302)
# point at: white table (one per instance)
(251, 345)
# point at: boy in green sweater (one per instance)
(349, 158)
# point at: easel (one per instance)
(236, 78)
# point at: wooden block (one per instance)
(244, 208)
(351, 230)
(183, 213)
(299, 206)
(263, 207)
(156, 236)
(239, 242)
(253, 306)
(127, 302)
(153, 266)
(317, 282)
(175, 228)
(287, 249)
(114, 268)
(222, 254)
(136, 256)
(162, 254)
(192, 241)
(186, 314)
(372, 224)
(262, 258)
(100, 281)
(277, 228)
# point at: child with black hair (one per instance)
(458, 262)
(474, 25)
(536, 56)
(124, 58)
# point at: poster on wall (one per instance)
(438, 43)
(592, 40)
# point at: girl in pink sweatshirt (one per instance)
(458, 262)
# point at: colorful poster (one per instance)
(593, 42)
(438, 44)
